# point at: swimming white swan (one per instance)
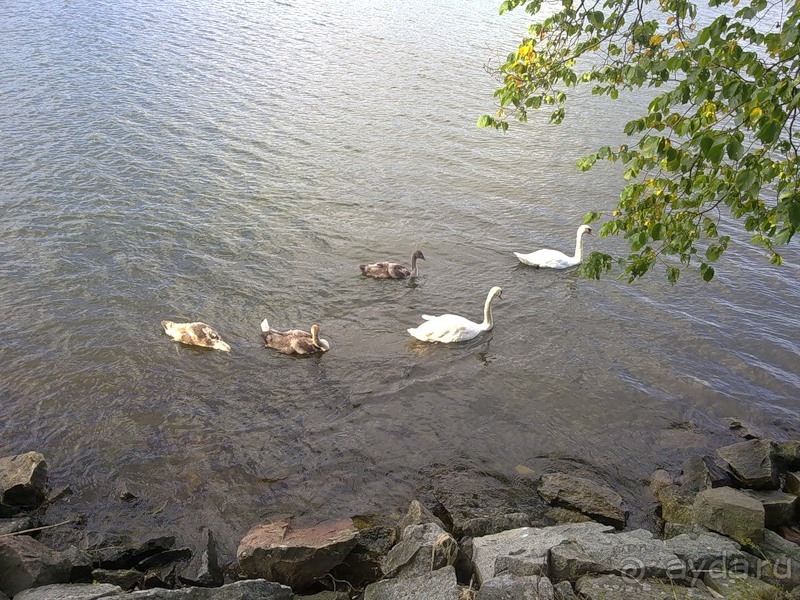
(555, 259)
(294, 341)
(195, 334)
(453, 328)
(392, 270)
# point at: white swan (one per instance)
(453, 328)
(294, 341)
(555, 259)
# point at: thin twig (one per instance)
(38, 528)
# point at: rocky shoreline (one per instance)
(728, 527)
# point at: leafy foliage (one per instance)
(720, 133)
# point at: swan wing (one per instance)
(446, 328)
(552, 259)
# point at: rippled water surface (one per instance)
(230, 161)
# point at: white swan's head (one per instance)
(418, 254)
(496, 291)
(584, 229)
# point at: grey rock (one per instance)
(787, 455)
(735, 586)
(71, 591)
(677, 504)
(417, 514)
(203, 570)
(296, 557)
(779, 508)
(23, 480)
(80, 565)
(730, 512)
(3, 596)
(672, 530)
(512, 587)
(167, 557)
(13, 525)
(562, 516)
(124, 578)
(615, 587)
(563, 591)
(793, 483)
(584, 495)
(423, 548)
(660, 479)
(122, 553)
(27, 563)
(438, 585)
(782, 565)
(703, 472)
(751, 463)
(249, 589)
(362, 565)
(527, 546)
(326, 595)
(481, 526)
(634, 553)
(709, 551)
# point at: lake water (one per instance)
(230, 161)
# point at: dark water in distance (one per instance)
(230, 161)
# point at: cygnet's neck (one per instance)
(414, 265)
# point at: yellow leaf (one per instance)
(656, 40)
(756, 114)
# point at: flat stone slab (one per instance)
(739, 587)
(616, 587)
(586, 496)
(249, 589)
(524, 551)
(438, 585)
(635, 553)
(424, 548)
(512, 587)
(707, 550)
(23, 479)
(71, 591)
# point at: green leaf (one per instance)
(769, 132)
(672, 274)
(735, 149)
(485, 121)
(707, 272)
(591, 217)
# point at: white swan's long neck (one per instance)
(579, 246)
(488, 323)
(413, 265)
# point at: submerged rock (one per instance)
(584, 495)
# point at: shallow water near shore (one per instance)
(228, 162)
